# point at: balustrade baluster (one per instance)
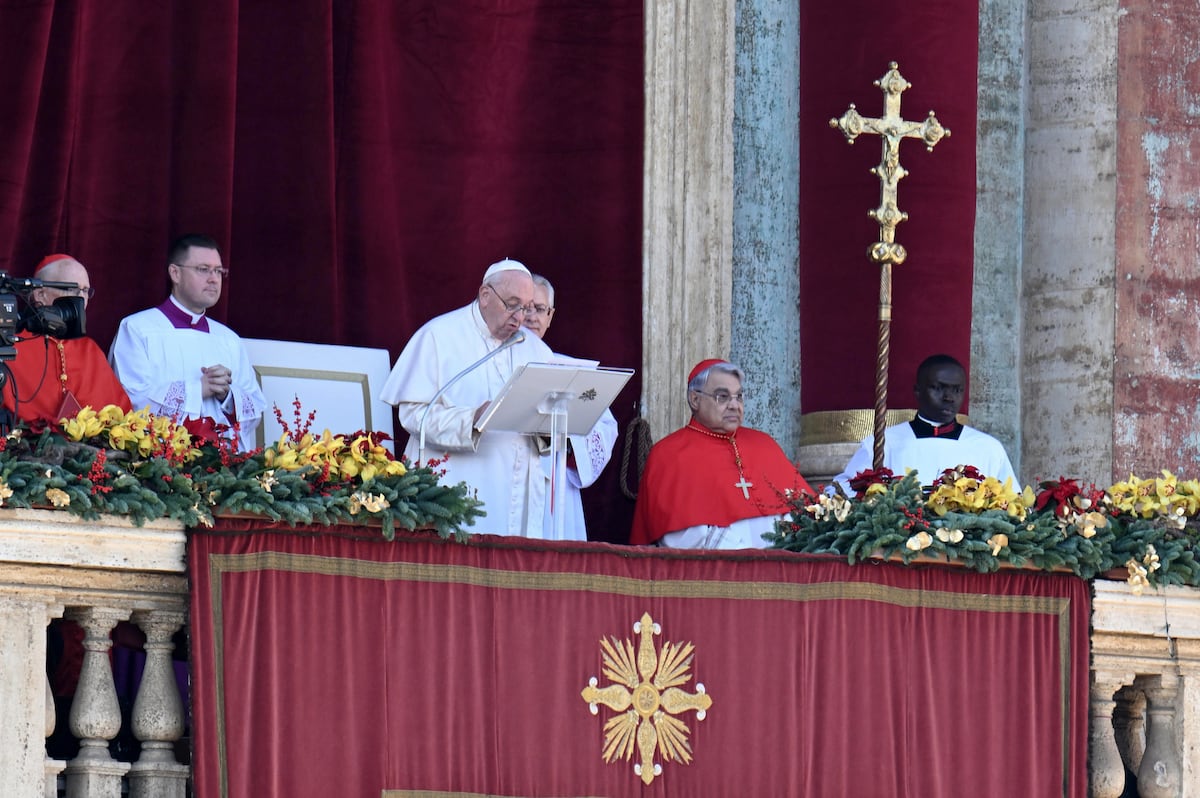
(1129, 721)
(95, 713)
(1104, 758)
(1160, 774)
(53, 766)
(158, 712)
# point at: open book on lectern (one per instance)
(520, 404)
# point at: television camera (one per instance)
(63, 319)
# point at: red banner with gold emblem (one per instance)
(328, 665)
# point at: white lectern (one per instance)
(556, 401)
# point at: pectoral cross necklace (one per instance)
(742, 483)
(62, 362)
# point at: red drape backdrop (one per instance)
(844, 46)
(362, 161)
(329, 666)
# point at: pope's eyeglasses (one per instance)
(513, 306)
(723, 398)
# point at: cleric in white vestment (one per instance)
(589, 454)
(180, 363)
(935, 440)
(503, 468)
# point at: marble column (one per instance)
(765, 336)
(687, 239)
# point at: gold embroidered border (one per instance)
(599, 583)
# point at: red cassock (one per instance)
(692, 479)
(38, 368)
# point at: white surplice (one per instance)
(503, 468)
(929, 457)
(592, 453)
(159, 364)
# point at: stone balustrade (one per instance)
(1145, 702)
(97, 574)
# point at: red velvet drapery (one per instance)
(362, 161)
(329, 666)
(844, 46)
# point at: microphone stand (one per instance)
(512, 341)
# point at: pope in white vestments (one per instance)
(503, 468)
(180, 363)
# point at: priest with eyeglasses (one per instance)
(180, 363)
(714, 484)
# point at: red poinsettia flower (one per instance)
(1059, 491)
(39, 425)
(1067, 496)
(952, 475)
(205, 429)
(871, 476)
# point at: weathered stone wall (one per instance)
(1156, 376)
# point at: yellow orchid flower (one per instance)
(348, 467)
(120, 436)
(111, 415)
(86, 424)
(5, 492)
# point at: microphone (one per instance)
(513, 340)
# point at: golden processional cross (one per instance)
(892, 128)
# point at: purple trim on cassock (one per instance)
(180, 320)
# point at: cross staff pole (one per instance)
(891, 128)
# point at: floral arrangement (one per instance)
(1150, 528)
(146, 466)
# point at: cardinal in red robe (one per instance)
(54, 378)
(714, 483)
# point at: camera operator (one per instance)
(55, 377)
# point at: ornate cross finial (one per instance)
(892, 129)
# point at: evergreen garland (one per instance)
(94, 465)
(1151, 528)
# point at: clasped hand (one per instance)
(215, 381)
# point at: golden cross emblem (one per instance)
(892, 129)
(646, 697)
